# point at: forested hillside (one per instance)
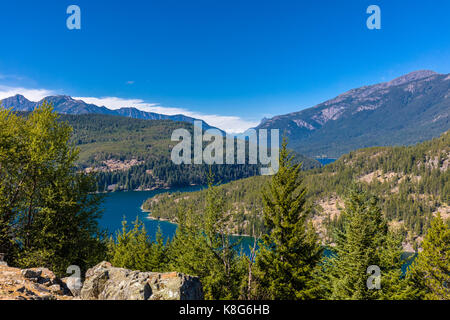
(131, 154)
(412, 184)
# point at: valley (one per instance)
(412, 184)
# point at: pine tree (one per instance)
(290, 251)
(430, 271)
(159, 255)
(201, 247)
(362, 241)
(132, 248)
(394, 286)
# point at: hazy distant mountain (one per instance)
(406, 110)
(68, 105)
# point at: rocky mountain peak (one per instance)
(394, 112)
(412, 76)
(20, 97)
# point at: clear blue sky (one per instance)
(241, 58)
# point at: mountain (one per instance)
(135, 154)
(132, 154)
(67, 105)
(412, 184)
(404, 111)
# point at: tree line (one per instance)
(289, 262)
(49, 218)
(411, 182)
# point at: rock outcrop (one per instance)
(105, 282)
(102, 282)
(31, 284)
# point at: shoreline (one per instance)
(150, 217)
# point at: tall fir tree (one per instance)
(290, 251)
(131, 248)
(202, 247)
(430, 271)
(362, 241)
(159, 256)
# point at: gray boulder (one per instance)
(105, 282)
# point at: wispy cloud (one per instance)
(30, 94)
(231, 124)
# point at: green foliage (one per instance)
(410, 182)
(48, 213)
(290, 250)
(105, 137)
(363, 241)
(133, 249)
(241, 202)
(202, 247)
(430, 272)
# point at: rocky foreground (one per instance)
(102, 282)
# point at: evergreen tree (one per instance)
(290, 251)
(363, 241)
(133, 249)
(159, 256)
(430, 272)
(201, 247)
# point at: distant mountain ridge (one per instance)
(412, 184)
(407, 110)
(67, 105)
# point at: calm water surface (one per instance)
(127, 205)
(120, 205)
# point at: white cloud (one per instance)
(30, 94)
(230, 124)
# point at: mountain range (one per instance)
(407, 110)
(67, 105)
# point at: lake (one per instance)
(325, 161)
(120, 205)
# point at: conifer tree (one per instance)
(290, 251)
(364, 241)
(201, 247)
(132, 248)
(159, 255)
(430, 272)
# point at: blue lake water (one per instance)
(325, 161)
(120, 205)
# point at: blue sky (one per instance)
(230, 62)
